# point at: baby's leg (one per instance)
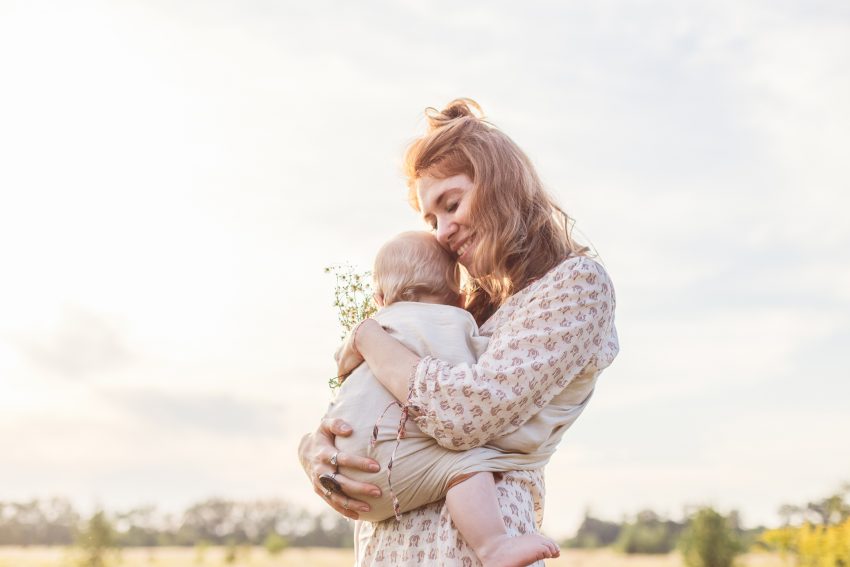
(474, 507)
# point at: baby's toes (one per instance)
(544, 552)
(552, 548)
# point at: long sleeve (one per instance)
(556, 329)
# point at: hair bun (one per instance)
(458, 108)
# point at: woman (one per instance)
(547, 307)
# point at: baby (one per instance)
(417, 289)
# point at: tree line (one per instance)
(649, 532)
(816, 534)
(211, 522)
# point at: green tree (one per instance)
(36, 522)
(231, 552)
(710, 541)
(594, 532)
(201, 551)
(833, 509)
(275, 543)
(96, 540)
(649, 533)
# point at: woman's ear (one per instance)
(379, 299)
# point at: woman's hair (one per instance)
(412, 266)
(520, 232)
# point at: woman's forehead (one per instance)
(429, 190)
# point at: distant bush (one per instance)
(649, 534)
(96, 540)
(274, 543)
(38, 522)
(816, 546)
(822, 538)
(201, 548)
(709, 541)
(593, 533)
(231, 552)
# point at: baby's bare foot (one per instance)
(507, 551)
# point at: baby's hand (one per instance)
(347, 356)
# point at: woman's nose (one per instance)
(444, 232)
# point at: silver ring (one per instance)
(345, 505)
(328, 492)
(329, 481)
(335, 462)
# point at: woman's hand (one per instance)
(315, 453)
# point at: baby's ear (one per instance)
(379, 299)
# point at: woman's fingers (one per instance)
(346, 505)
(335, 426)
(364, 464)
(349, 486)
(355, 462)
(318, 451)
(355, 488)
(344, 502)
(337, 502)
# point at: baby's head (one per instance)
(414, 267)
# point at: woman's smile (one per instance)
(462, 252)
(445, 204)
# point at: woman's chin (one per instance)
(465, 260)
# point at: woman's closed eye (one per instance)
(451, 207)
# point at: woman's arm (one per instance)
(563, 326)
(315, 452)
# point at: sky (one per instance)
(175, 177)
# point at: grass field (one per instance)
(256, 557)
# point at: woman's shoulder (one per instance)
(557, 287)
(578, 270)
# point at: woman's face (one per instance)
(445, 205)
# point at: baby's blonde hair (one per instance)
(413, 265)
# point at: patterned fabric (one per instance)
(558, 328)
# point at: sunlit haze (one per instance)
(174, 176)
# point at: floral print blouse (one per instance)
(542, 338)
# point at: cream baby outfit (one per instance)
(548, 344)
(422, 470)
